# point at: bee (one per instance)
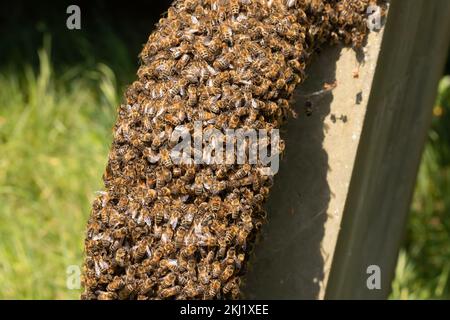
(230, 286)
(192, 96)
(121, 257)
(189, 174)
(224, 61)
(213, 289)
(105, 295)
(139, 251)
(179, 237)
(156, 256)
(167, 235)
(192, 289)
(214, 45)
(227, 273)
(198, 185)
(183, 61)
(242, 172)
(215, 202)
(227, 33)
(216, 269)
(166, 160)
(188, 251)
(116, 284)
(231, 256)
(146, 287)
(234, 6)
(169, 292)
(168, 280)
(222, 248)
(158, 212)
(234, 121)
(202, 51)
(205, 115)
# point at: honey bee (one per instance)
(202, 51)
(156, 256)
(234, 5)
(192, 96)
(214, 45)
(230, 286)
(141, 249)
(213, 289)
(121, 257)
(168, 280)
(116, 284)
(169, 292)
(224, 61)
(227, 273)
(188, 251)
(189, 174)
(231, 256)
(242, 172)
(179, 237)
(216, 269)
(105, 295)
(198, 185)
(227, 33)
(216, 202)
(203, 275)
(234, 121)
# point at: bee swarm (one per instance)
(162, 230)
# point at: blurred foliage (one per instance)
(424, 263)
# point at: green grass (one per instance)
(55, 133)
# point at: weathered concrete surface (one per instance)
(293, 258)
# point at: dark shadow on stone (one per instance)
(287, 262)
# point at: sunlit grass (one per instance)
(54, 140)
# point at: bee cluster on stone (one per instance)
(162, 230)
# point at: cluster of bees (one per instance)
(162, 230)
